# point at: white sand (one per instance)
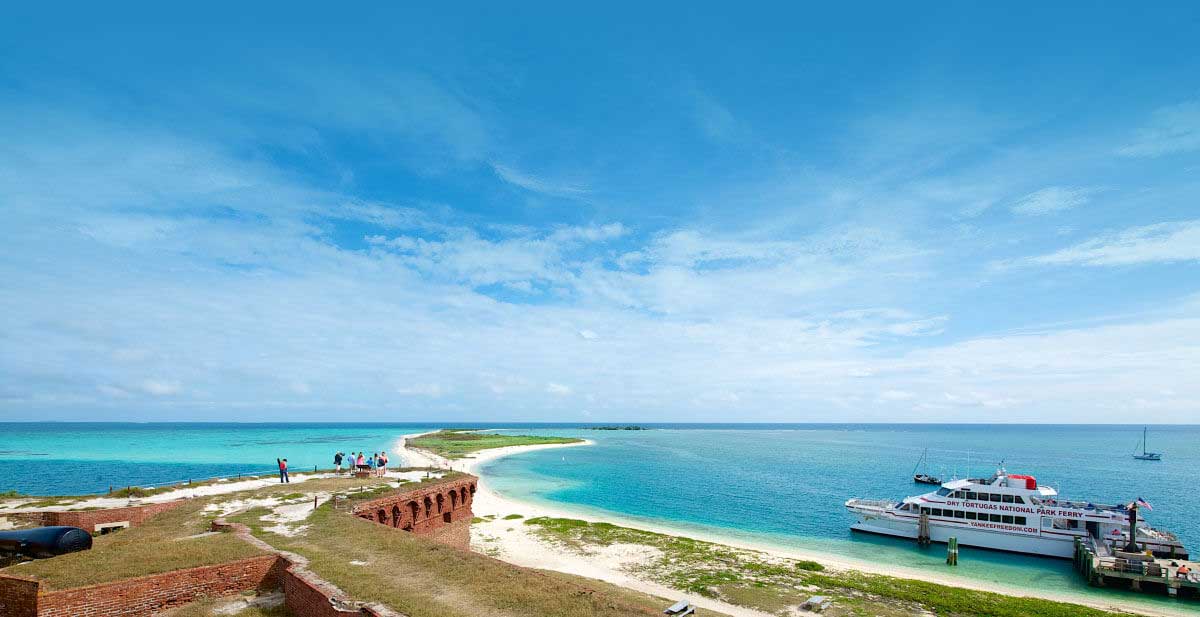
(509, 541)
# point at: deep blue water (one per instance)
(772, 484)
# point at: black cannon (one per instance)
(40, 542)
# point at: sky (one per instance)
(768, 212)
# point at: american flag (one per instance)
(1142, 503)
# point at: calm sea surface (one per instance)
(777, 484)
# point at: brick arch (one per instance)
(441, 502)
(453, 499)
(396, 516)
(413, 510)
(381, 516)
(462, 495)
(428, 507)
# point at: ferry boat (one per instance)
(1011, 512)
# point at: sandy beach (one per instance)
(510, 541)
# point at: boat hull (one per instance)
(884, 524)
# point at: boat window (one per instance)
(1020, 520)
(983, 496)
(1006, 519)
(1007, 498)
(1017, 498)
(959, 514)
(995, 497)
(970, 515)
(937, 511)
(942, 492)
(970, 495)
(1047, 523)
(924, 510)
(995, 518)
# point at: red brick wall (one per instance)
(456, 534)
(88, 519)
(18, 596)
(425, 511)
(144, 595)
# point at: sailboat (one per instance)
(924, 477)
(1146, 455)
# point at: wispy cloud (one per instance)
(1052, 199)
(538, 184)
(1162, 242)
(1171, 129)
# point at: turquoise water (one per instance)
(80, 458)
(785, 486)
(781, 485)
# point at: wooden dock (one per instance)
(1102, 567)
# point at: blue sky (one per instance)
(611, 213)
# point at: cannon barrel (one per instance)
(41, 542)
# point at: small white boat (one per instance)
(1146, 455)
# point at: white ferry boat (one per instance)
(1010, 512)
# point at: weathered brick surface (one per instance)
(18, 596)
(88, 519)
(144, 595)
(433, 511)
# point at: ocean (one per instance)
(781, 485)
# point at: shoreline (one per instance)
(511, 537)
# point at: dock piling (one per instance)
(952, 551)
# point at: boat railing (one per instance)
(883, 504)
(1082, 505)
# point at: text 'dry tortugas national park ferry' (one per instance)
(1009, 513)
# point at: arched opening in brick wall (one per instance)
(453, 499)
(428, 507)
(462, 495)
(413, 509)
(441, 502)
(381, 516)
(396, 515)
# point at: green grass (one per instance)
(752, 579)
(455, 444)
(160, 545)
(423, 579)
(513, 517)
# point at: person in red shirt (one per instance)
(283, 475)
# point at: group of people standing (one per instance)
(376, 464)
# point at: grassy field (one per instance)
(169, 541)
(752, 579)
(459, 444)
(423, 579)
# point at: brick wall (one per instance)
(147, 595)
(426, 511)
(18, 596)
(88, 519)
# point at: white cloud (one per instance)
(1052, 199)
(160, 387)
(558, 388)
(588, 335)
(1162, 242)
(538, 184)
(1175, 128)
(431, 390)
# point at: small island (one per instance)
(631, 427)
(461, 443)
